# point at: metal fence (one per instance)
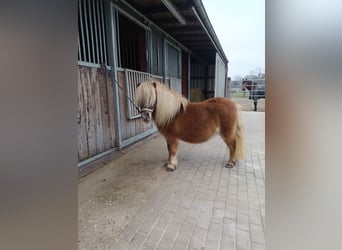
(134, 77)
(245, 98)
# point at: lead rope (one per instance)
(103, 66)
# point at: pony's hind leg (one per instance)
(172, 146)
(231, 144)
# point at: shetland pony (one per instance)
(177, 119)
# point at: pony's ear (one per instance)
(155, 84)
(138, 84)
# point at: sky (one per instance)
(240, 28)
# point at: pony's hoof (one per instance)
(170, 168)
(229, 165)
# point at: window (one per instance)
(91, 32)
(131, 45)
(173, 67)
(173, 61)
(157, 53)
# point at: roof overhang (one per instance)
(186, 21)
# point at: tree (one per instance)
(260, 72)
(257, 73)
(237, 77)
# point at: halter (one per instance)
(149, 113)
(147, 109)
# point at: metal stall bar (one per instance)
(88, 59)
(91, 32)
(82, 58)
(101, 40)
(96, 25)
(104, 34)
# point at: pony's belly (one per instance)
(199, 135)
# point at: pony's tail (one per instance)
(239, 138)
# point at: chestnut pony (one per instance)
(177, 119)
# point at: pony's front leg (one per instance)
(172, 146)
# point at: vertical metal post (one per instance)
(117, 42)
(103, 29)
(96, 28)
(151, 54)
(100, 31)
(179, 68)
(109, 16)
(149, 50)
(79, 47)
(91, 32)
(129, 80)
(206, 80)
(165, 59)
(189, 77)
(88, 59)
(82, 58)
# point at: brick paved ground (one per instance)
(201, 205)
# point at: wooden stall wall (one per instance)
(129, 128)
(96, 123)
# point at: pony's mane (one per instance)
(167, 102)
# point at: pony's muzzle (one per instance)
(146, 114)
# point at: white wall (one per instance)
(220, 77)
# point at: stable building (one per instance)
(124, 42)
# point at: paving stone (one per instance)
(164, 220)
(148, 223)
(228, 238)
(154, 237)
(257, 234)
(243, 221)
(242, 240)
(136, 241)
(256, 246)
(213, 236)
(167, 239)
(198, 238)
(201, 205)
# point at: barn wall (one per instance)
(96, 123)
(220, 77)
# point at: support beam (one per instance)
(175, 12)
